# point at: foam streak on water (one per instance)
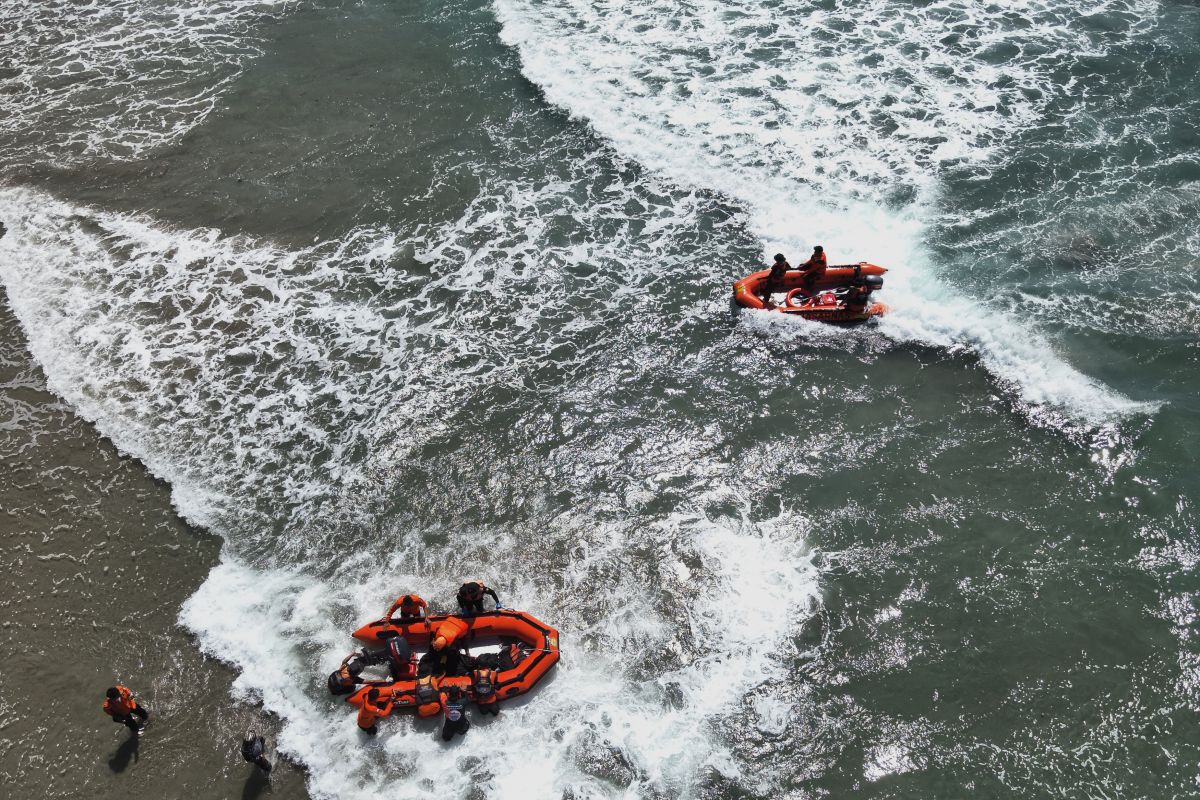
(314, 370)
(831, 124)
(117, 79)
(606, 725)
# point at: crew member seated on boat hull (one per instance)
(774, 281)
(814, 269)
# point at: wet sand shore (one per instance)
(97, 564)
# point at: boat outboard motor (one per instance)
(873, 283)
(399, 657)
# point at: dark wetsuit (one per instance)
(775, 279)
(454, 713)
(446, 663)
(254, 751)
(474, 605)
(508, 658)
(857, 297)
(344, 679)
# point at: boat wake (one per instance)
(831, 125)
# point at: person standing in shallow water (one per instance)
(374, 708)
(119, 703)
(454, 713)
(254, 751)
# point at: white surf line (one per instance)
(746, 101)
(118, 79)
(592, 727)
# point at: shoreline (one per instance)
(99, 565)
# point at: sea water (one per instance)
(399, 294)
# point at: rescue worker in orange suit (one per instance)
(411, 606)
(344, 679)
(454, 713)
(775, 279)
(470, 597)
(120, 704)
(373, 709)
(814, 269)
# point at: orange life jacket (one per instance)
(428, 700)
(451, 629)
(410, 605)
(483, 682)
(123, 706)
(817, 264)
(511, 656)
(369, 712)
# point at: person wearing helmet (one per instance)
(344, 679)
(774, 282)
(412, 607)
(814, 269)
(470, 597)
(454, 713)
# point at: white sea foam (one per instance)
(261, 378)
(823, 121)
(608, 723)
(117, 78)
(269, 384)
(303, 360)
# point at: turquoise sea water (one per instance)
(395, 294)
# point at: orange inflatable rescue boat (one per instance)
(842, 294)
(534, 644)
